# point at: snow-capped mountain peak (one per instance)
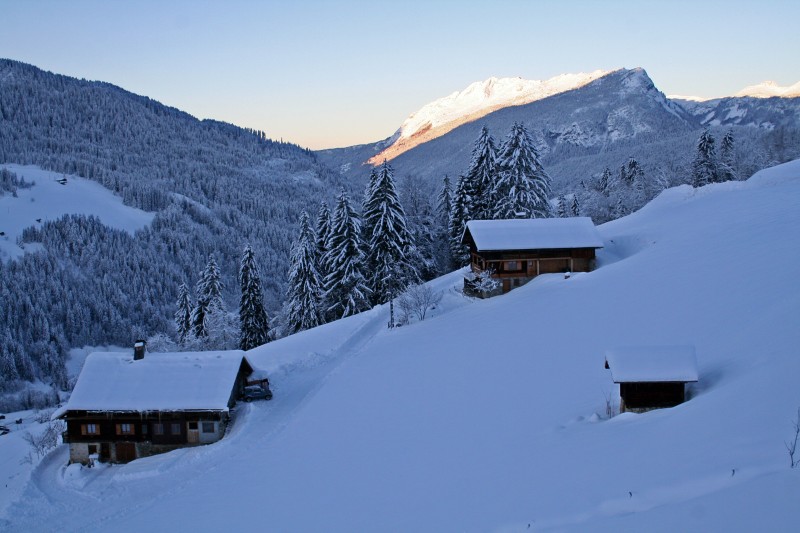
(769, 89)
(477, 100)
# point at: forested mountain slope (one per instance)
(213, 187)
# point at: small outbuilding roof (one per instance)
(637, 364)
(181, 381)
(533, 234)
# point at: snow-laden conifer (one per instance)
(183, 315)
(346, 291)
(481, 176)
(209, 298)
(303, 297)
(523, 188)
(705, 168)
(444, 201)
(322, 234)
(727, 163)
(253, 319)
(459, 216)
(387, 239)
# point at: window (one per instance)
(124, 429)
(175, 429)
(92, 449)
(144, 429)
(208, 427)
(90, 429)
(512, 265)
(158, 428)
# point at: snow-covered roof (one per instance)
(533, 234)
(181, 381)
(635, 364)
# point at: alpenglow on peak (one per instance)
(477, 100)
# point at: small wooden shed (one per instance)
(652, 377)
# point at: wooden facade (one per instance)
(637, 397)
(120, 437)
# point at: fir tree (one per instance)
(481, 176)
(389, 243)
(209, 298)
(253, 319)
(605, 182)
(727, 157)
(305, 287)
(444, 202)
(705, 168)
(575, 208)
(561, 207)
(459, 214)
(183, 315)
(322, 235)
(346, 291)
(523, 188)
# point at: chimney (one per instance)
(139, 347)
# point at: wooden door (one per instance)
(193, 433)
(126, 452)
(105, 452)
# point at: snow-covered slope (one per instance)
(477, 100)
(49, 199)
(485, 416)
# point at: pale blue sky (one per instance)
(324, 73)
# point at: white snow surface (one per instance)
(534, 234)
(113, 381)
(632, 364)
(492, 94)
(50, 200)
(488, 416)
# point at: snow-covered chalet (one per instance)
(515, 251)
(130, 405)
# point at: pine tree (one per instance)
(444, 202)
(523, 188)
(705, 168)
(305, 287)
(481, 176)
(346, 291)
(389, 243)
(575, 208)
(253, 319)
(322, 234)
(561, 207)
(459, 214)
(605, 182)
(209, 298)
(183, 315)
(727, 157)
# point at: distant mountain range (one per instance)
(582, 123)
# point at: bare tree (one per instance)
(791, 444)
(416, 301)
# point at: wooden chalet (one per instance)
(516, 251)
(124, 407)
(652, 377)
